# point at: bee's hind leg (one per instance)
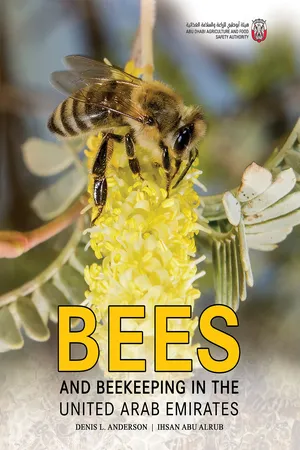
(131, 155)
(99, 170)
(100, 196)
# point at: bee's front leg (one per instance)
(178, 162)
(166, 162)
(193, 156)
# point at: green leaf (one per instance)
(292, 159)
(282, 185)
(10, 336)
(55, 199)
(31, 306)
(280, 223)
(232, 268)
(45, 158)
(53, 297)
(255, 181)
(72, 286)
(31, 320)
(288, 204)
(81, 258)
(232, 208)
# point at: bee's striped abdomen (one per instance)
(79, 114)
(69, 119)
(73, 117)
(54, 123)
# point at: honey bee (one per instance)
(105, 98)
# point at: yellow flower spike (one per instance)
(147, 242)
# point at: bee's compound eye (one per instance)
(150, 121)
(182, 140)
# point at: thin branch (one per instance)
(147, 25)
(277, 156)
(48, 273)
(14, 243)
(142, 50)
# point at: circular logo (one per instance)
(259, 30)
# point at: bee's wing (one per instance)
(70, 81)
(99, 92)
(119, 101)
(100, 69)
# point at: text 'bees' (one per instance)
(162, 338)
